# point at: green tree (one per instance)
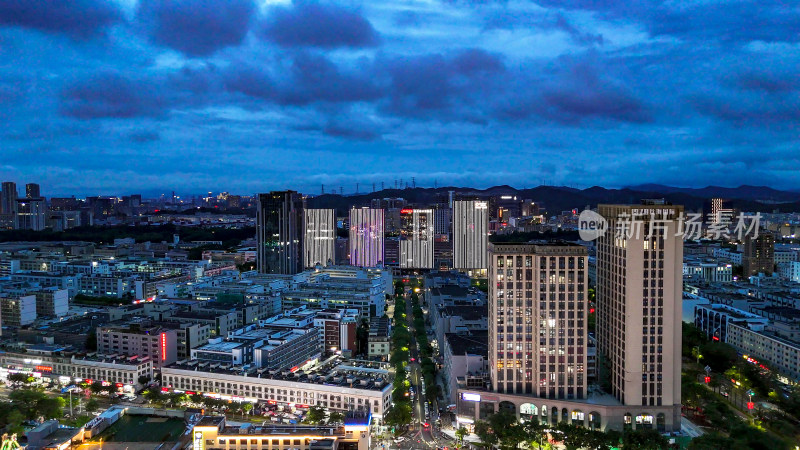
(644, 439)
(315, 415)
(461, 433)
(92, 405)
(336, 417)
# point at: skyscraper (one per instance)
(470, 234)
(366, 237)
(416, 238)
(537, 311)
(320, 237)
(8, 204)
(32, 190)
(639, 286)
(280, 232)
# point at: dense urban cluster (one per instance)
(283, 320)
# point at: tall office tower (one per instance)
(470, 234)
(320, 237)
(416, 238)
(32, 190)
(537, 310)
(366, 237)
(31, 214)
(8, 199)
(639, 286)
(280, 232)
(8, 205)
(759, 255)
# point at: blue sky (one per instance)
(111, 97)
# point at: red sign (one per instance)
(708, 379)
(406, 211)
(44, 368)
(163, 346)
(750, 405)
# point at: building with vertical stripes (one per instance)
(366, 237)
(416, 238)
(280, 232)
(470, 234)
(537, 314)
(320, 237)
(639, 291)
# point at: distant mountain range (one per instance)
(560, 198)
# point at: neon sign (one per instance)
(163, 346)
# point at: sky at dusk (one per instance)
(112, 97)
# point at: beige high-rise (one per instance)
(639, 285)
(537, 316)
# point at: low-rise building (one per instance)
(59, 364)
(139, 339)
(332, 385)
(17, 311)
(213, 433)
(379, 340)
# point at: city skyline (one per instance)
(101, 96)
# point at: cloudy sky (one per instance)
(112, 97)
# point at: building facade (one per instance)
(280, 232)
(639, 273)
(470, 234)
(320, 237)
(416, 238)
(537, 311)
(366, 237)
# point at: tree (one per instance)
(461, 433)
(143, 380)
(247, 407)
(336, 417)
(92, 405)
(535, 433)
(644, 439)
(315, 415)
(710, 441)
(19, 378)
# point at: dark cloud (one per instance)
(732, 21)
(441, 87)
(750, 111)
(573, 92)
(79, 19)
(505, 19)
(143, 137)
(350, 133)
(766, 81)
(197, 27)
(113, 95)
(315, 25)
(309, 78)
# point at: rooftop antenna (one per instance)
(413, 182)
(381, 185)
(323, 188)
(356, 188)
(341, 190)
(373, 187)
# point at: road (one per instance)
(420, 434)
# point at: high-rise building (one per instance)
(759, 255)
(280, 232)
(8, 202)
(320, 237)
(639, 286)
(31, 214)
(537, 308)
(32, 190)
(470, 234)
(416, 238)
(366, 237)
